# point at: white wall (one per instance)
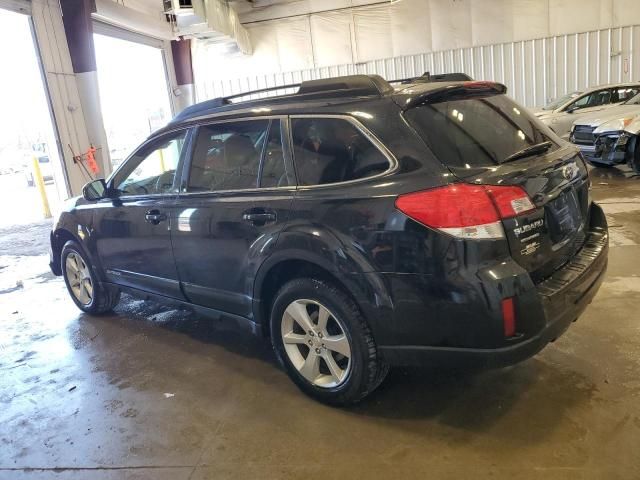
(533, 70)
(404, 27)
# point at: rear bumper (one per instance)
(562, 298)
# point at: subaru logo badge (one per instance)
(570, 170)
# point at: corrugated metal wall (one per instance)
(535, 71)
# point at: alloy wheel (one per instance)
(79, 278)
(316, 343)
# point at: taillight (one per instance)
(510, 201)
(464, 210)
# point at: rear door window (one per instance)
(476, 132)
(331, 150)
(227, 156)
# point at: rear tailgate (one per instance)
(545, 239)
(474, 135)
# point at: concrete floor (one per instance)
(152, 393)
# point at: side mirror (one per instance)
(572, 109)
(95, 190)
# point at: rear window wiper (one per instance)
(536, 149)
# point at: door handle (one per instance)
(154, 217)
(259, 218)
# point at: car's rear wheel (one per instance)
(323, 341)
(86, 292)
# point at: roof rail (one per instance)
(351, 86)
(354, 85)
(260, 90)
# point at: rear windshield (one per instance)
(476, 132)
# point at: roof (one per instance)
(327, 90)
(611, 85)
(314, 93)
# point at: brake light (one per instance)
(508, 317)
(510, 201)
(464, 210)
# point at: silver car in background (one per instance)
(561, 114)
(610, 137)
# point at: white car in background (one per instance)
(45, 170)
(561, 114)
(610, 137)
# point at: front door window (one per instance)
(151, 171)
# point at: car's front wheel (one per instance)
(324, 343)
(86, 292)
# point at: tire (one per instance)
(87, 293)
(634, 162)
(357, 375)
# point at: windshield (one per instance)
(560, 101)
(477, 132)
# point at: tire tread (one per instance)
(376, 369)
(105, 296)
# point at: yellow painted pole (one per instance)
(162, 167)
(37, 177)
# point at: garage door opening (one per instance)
(27, 132)
(133, 92)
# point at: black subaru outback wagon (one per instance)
(356, 224)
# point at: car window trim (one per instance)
(289, 157)
(263, 152)
(286, 153)
(109, 181)
(186, 165)
(393, 162)
(184, 155)
(287, 146)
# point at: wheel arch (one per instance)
(58, 239)
(60, 236)
(272, 276)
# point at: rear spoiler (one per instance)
(428, 77)
(455, 92)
